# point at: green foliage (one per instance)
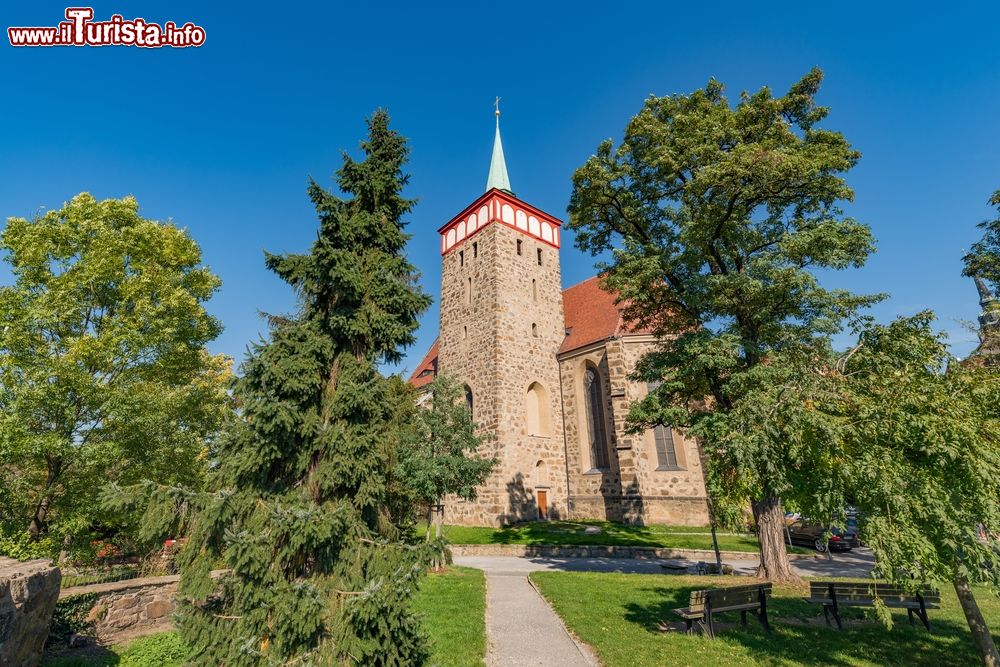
(716, 218)
(70, 617)
(161, 650)
(983, 259)
(104, 373)
(438, 456)
(921, 456)
(305, 519)
(18, 544)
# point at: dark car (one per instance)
(810, 534)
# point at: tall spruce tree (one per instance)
(315, 567)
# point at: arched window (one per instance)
(538, 420)
(597, 430)
(468, 398)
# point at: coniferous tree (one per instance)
(316, 570)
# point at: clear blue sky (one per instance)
(221, 139)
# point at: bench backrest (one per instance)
(848, 591)
(734, 596)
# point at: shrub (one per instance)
(70, 617)
(18, 545)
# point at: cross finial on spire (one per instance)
(498, 166)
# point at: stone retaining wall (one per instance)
(28, 594)
(588, 551)
(126, 609)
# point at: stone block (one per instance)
(159, 608)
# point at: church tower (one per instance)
(501, 327)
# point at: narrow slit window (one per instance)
(468, 291)
(539, 251)
(519, 246)
(461, 258)
(534, 290)
(475, 250)
(534, 330)
(465, 332)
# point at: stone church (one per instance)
(546, 371)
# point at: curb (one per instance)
(598, 551)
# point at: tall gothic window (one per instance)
(596, 426)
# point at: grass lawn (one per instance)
(618, 614)
(612, 534)
(453, 605)
(454, 608)
(160, 650)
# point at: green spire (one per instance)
(498, 166)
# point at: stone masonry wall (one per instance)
(28, 594)
(632, 488)
(500, 339)
(125, 609)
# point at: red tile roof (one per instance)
(429, 363)
(591, 315)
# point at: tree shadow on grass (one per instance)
(573, 533)
(800, 636)
(88, 656)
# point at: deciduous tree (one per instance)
(104, 373)
(921, 458)
(715, 218)
(440, 455)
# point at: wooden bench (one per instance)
(702, 605)
(836, 594)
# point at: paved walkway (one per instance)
(523, 631)
(857, 563)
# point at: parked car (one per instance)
(810, 534)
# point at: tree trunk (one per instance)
(39, 521)
(774, 563)
(712, 526)
(430, 518)
(438, 520)
(977, 624)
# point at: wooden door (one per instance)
(542, 496)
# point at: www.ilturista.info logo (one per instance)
(81, 30)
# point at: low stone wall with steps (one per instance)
(594, 551)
